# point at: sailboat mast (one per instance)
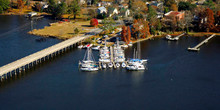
(134, 54)
(139, 49)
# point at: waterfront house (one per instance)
(124, 12)
(102, 10)
(174, 15)
(112, 11)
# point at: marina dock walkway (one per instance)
(35, 58)
(197, 47)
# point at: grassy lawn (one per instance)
(64, 30)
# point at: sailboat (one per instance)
(136, 63)
(88, 63)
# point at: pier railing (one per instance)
(40, 56)
(197, 47)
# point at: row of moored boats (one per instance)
(111, 57)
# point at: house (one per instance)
(125, 12)
(119, 1)
(99, 4)
(102, 10)
(112, 11)
(174, 15)
(124, 5)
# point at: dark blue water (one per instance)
(175, 80)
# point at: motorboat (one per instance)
(130, 44)
(80, 46)
(96, 48)
(169, 37)
(118, 53)
(104, 54)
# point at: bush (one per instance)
(94, 22)
(76, 30)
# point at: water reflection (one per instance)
(137, 77)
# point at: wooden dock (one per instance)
(197, 47)
(29, 61)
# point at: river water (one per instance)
(175, 80)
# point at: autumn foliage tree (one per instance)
(124, 34)
(20, 4)
(140, 28)
(129, 34)
(94, 22)
(174, 7)
(206, 20)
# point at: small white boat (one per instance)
(117, 65)
(124, 46)
(104, 65)
(89, 69)
(169, 37)
(135, 67)
(130, 44)
(89, 45)
(80, 46)
(96, 48)
(110, 65)
(104, 60)
(123, 65)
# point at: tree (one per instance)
(4, 5)
(108, 24)
(206, 20)
(139, 6)
(186, 6)
(92, 13)
(166, 10)
(124, 34)
(152, 14)
(168, 3)
(94, 22)
(56, 9)
(174, 7)
(209, 4)
(76, 30)
(20, 4)
(129, 34)
(74, 8)
(129, 4)
(140, 28)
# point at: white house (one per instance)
(101, 10)
(112, 11)
(125, 12)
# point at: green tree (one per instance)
(108, 24)
(152, 14)
(4, 5)
(129, 4)
(56, 9)
(166, 10)
(209, 4)
(186, 6)
(74, 8)
(76, 30)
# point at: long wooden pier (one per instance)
(197, 47)
(27, 62)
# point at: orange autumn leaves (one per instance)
(140, 29)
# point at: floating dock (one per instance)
(197, 47)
